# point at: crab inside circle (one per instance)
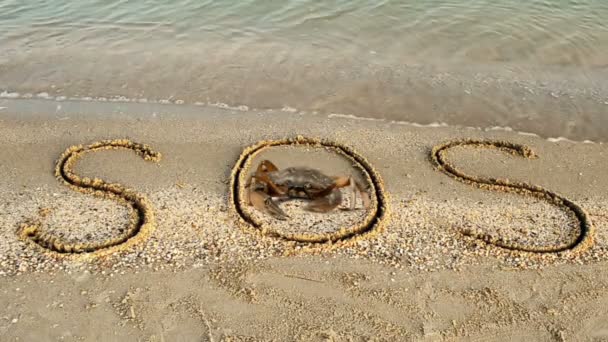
(306, 192)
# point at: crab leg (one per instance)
(248, 192)
(364, 195)
(344, 181)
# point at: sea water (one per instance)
(532, 65)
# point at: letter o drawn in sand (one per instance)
(302, 225)
(141, 218)
(583, 241)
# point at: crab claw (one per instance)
(264, 203)
(327, 203)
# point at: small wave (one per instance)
(558, 139)
(394, 122)
(443, 124)
(9, 95)
(6, 94)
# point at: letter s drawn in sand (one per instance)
(141, 221)
(583, 241)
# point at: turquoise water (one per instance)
(531, 65)
(538, 32)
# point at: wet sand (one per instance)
(204, 274)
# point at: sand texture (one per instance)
(471, 235)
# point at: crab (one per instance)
(300, 182)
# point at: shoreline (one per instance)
(417, 267)
(38, 106)
(550, 101)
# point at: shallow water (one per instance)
(539, 66)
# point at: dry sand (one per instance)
(204, 274)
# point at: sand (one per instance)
(204, 273)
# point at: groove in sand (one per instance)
(585, 238)
(377, 212)
(141, 221)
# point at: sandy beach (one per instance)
(199, 271)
